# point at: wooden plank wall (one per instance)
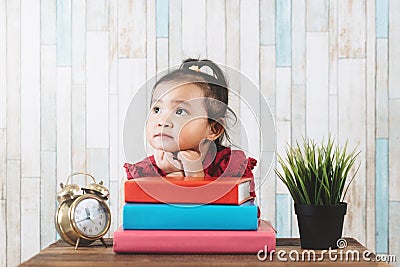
(69, 68)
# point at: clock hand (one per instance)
(87, 212)
(87, 218)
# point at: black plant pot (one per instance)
(320, 226)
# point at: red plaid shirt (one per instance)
(227, 163)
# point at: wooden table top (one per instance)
(62, 254)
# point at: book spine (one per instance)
(133, 193)
(189, 217)
(125, 242)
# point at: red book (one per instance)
(188, 241)
(188, 190)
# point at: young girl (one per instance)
(186, 127)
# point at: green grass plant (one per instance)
(317, 174)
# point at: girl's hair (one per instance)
(215, 90)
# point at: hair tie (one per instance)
(194, 68)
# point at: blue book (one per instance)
(143, 216)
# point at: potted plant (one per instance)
(317, 177)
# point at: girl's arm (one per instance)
(192, 163)
(167, 162)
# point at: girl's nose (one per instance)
(165, 123)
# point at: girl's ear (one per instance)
(216, 129)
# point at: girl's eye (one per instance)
(181, 111)
(156, 110)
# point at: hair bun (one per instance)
(191, 64)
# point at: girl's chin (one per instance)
(165, 148)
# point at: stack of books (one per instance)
(191, 215)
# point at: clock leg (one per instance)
(77, 243)
(104, 242)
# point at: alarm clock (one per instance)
(82, 217)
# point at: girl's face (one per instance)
(178, 118)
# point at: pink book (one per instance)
(189, 241)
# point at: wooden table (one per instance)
(62, 254)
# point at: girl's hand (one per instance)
(192, 162)
(167, 162)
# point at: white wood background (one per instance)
(68, 69)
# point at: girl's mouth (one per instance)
(163, 135)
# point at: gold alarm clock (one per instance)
(82, 218)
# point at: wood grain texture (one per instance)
(132, 28)
(48, 22)
(97, 90)
(333, 46)
(299, 42)
(333, 115)
(48, 102)
(382, 18)
(267, 22)
(351, 29)
(48, 188)
(268, 76)
(283, 135)
(233, 33)
(114, 207)
(13, 209)
(3, 164)
(113, 47)
(382, 98)
(283, 33)
(3, 64)
(283, 215)
(64, 133)
(78, 128)
(30, 89)
(232, 57)
(298, 116)
(162, 18)
(64, 32)
(151, 52)
(394, 230)
(97, 15)
(194, 28)
(394, 43)
(132, 75)
(3, 232)
(249, 40)
(216, 30)
(317, 16)
(317, 89)
(162, 55)
(175, 32)
(371, 120)
(30, 217)
(283, 95)
(394, 149)
(13, 80)
(115, 164)
(3, 197)
(79, 28)
(351, 96)
(382, 195)
(97, 255)
(266, 196)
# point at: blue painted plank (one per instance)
(283, 33)
(382, 195)
(283, 215)
(162, 18)
(382, 18)
(64, 33)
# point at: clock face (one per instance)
(91, 217)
